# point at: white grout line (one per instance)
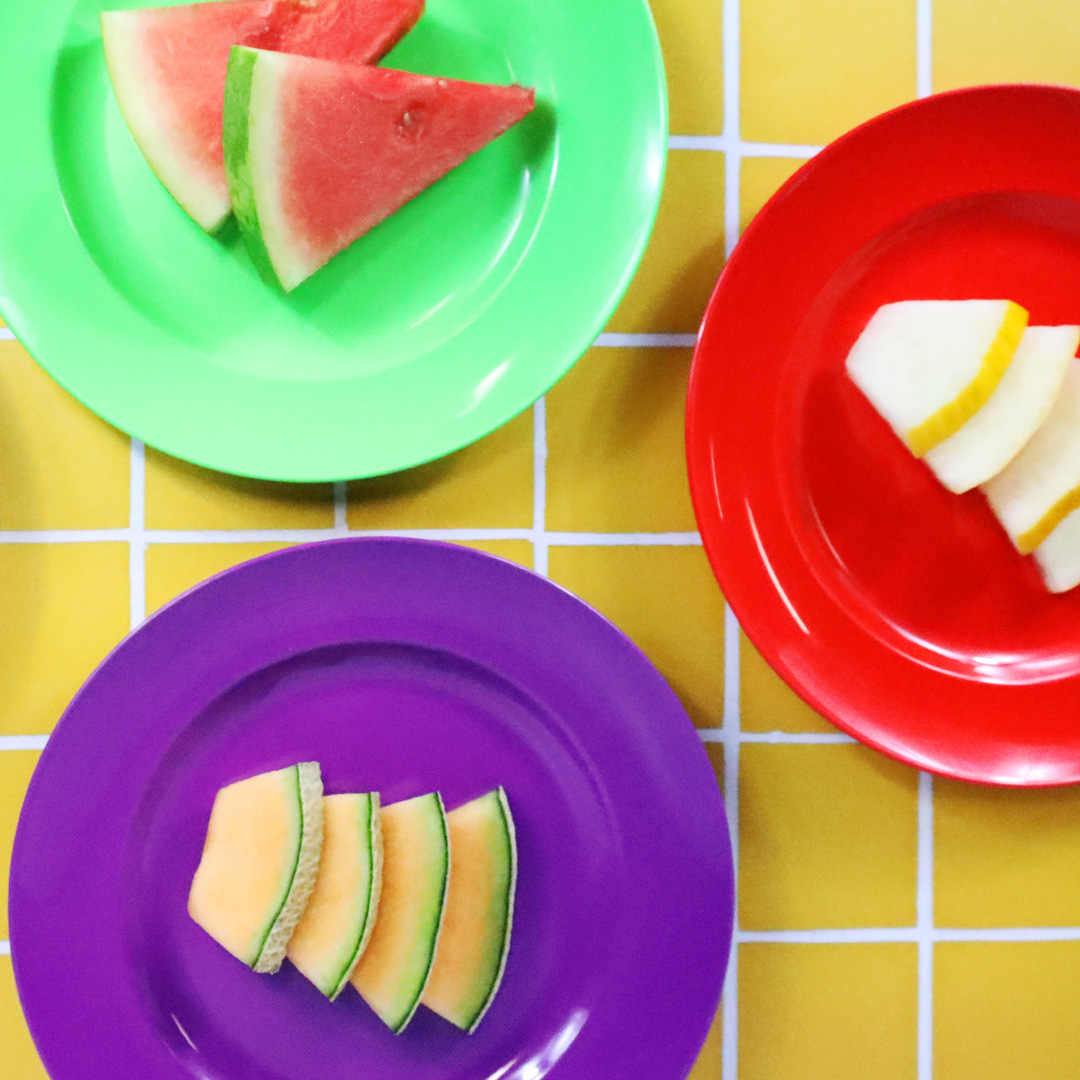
(924, 68)
(541, 539)
(5, 948)
(647, 341)
(910, 935)
(136, 534)
(23, 742)
(6, 334)
(740, 147)
(924, 920)
(805, 738)
(341, 507)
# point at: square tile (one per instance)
(174, 568)
(685, 254)
(988, 41)
(17, 1053)
(65, 607)
(826, 1012)
(691, 36)
(64, 468)
(760, 179)
(767, 703)
(666, 599)
(1006, 858)
(828, 838)
(811, 71)
(515, 551)
(16, 768)
(616, 452)
(183, 496)
(710, 1062)
(715, 754)
(488, 485)
(1006, 1010)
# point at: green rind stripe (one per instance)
(432, 938)
(295, 770)
(505, 911)
(341, 980)
(239, 78)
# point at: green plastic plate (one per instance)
(449, 318)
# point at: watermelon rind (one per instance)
(202, 195)
(309, 791)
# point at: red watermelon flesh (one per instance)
(168, 69)
(332, 149)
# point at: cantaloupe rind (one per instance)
(1040, 487)
(928, 366)
(475, 938)
(340, 917)
(1022, 401)
(395, 967)
(259, 862)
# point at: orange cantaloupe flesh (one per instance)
(256, 872)
(337, 924)
(475, 935)
(394, 969)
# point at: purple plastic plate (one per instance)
(402, 667)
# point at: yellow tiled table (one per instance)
(890, 927)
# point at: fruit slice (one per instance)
(318, 153)
(475, 936)
(394, 969)
(1040, 487)
(1058, 556)
(929, 365)
(1021, 402)
(340, 916)
(259, 863)
(167, 66)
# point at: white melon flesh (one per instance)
(1058, 556)
(929, 365)
(259, 863)
(475, 937)
(340, 916)
(394, 970)
(1040, 487)
(1021, 402)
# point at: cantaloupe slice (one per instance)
(340, 916)
(929, 365)
(394, 969)
(1058, 556)
(475, 936)
(1040, 487)
(1021, 402)
(259, 863)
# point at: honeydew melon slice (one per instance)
(929, 365)
(1058, 556)
(167, 66)
(1040, 487)
(394, 970)
(1021, 402)
(340, 917)
(475, 936)
(317, 153)
(259, 863)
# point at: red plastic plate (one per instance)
(898, 610)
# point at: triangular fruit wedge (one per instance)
(337, 923)
(167, 66)
(1021, 402)
(259, 863)
(929, 365)
(1040, 487)
(395, 967)
(475, 936)
(1058, 556)
(318, 153)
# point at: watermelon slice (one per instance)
(167, 67)
(317, 153)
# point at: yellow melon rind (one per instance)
(950, 418)
(309, 793)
